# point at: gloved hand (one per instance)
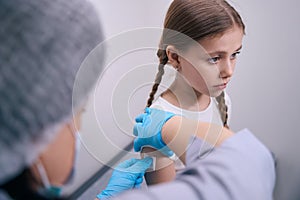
(127, 175)
(148, 130)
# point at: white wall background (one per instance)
(265, 90)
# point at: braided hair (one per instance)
(223, 109)
(163, 59)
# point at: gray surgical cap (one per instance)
(42, 46)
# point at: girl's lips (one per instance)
(221, 86)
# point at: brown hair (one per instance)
(197, 19)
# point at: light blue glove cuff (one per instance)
(127, 175)
(103, 195)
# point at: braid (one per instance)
(163, 59)
(222, 108)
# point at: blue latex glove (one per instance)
(127, 175)
(148, 130)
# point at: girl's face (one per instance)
(209, 73)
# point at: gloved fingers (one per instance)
(104, 195)
(128, 174)
(136, 166)
(127, 163)
(148, 110)
(139, 118)
(162, 147)
(138, 182)
(137, 144)
(160, 115)
(136, 129)
(141, 165)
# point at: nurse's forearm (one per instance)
(177, 131)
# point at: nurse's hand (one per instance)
(127, 175)
(148, 130)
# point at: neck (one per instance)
(182, 95)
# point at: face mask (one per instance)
(56, 191)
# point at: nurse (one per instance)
(43, 44)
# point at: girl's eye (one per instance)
(214, 60)
(233, 56)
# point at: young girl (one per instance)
(218, 28)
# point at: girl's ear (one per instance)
(173, 56)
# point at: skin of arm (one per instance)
(165, 168)
(176, 133)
